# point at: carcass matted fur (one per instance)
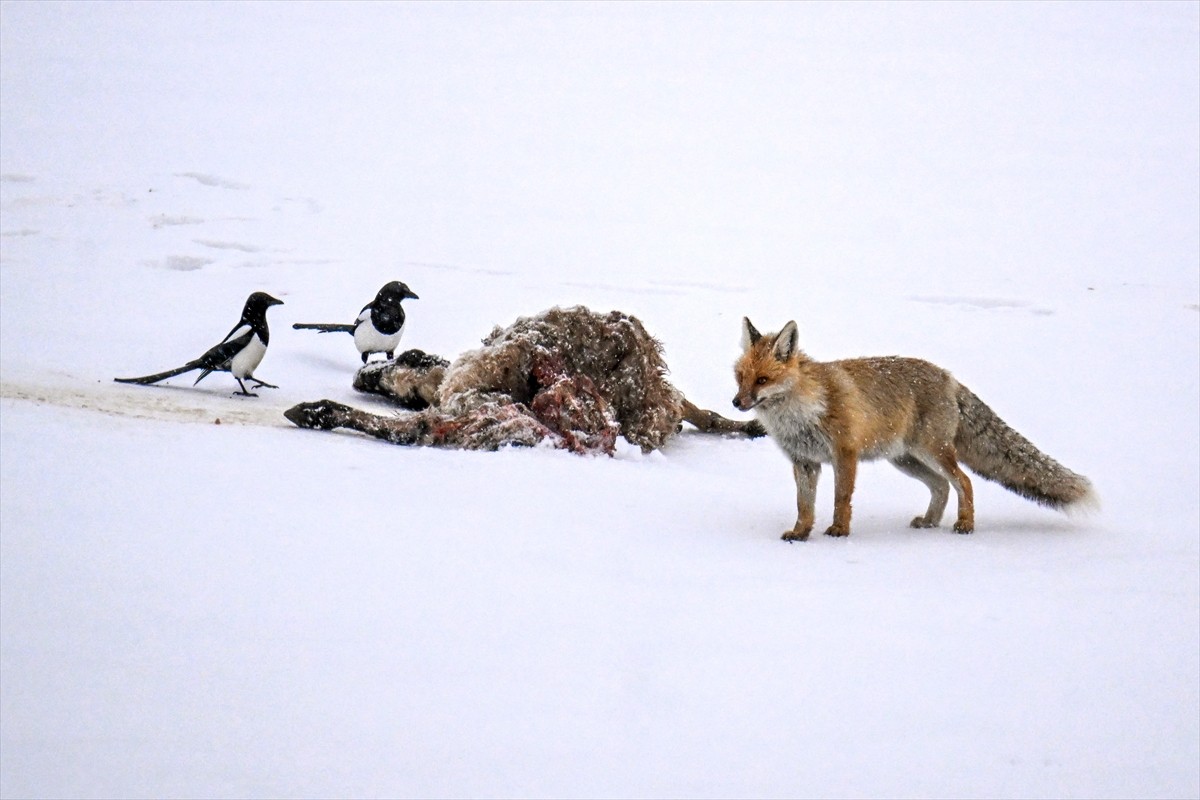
(612, 351)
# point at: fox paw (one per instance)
(964, 527)
(921, 522)
(838, 530)
(795, 535)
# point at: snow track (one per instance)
(154, 402)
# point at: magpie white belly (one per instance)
(369, 340)
(245, 362)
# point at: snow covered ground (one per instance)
(252, 610)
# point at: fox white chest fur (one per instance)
(794, 425)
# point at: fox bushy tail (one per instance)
(995, 451)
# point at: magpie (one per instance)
(239, 353)
(379, 326)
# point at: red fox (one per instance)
(908, 411)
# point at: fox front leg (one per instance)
(806, 474)
(845, 468)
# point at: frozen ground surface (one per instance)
(251, 610)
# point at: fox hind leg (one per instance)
(939, 489)
(944, 459)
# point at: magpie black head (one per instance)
(394, 292)
(258, 303)
(255, 312)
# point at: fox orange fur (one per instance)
(908, 411)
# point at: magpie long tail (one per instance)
(323, 327)
(146, 380)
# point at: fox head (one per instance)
(766, 367)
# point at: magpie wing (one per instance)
(363, 316)
(219, 356)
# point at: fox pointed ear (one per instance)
(750, 334)
(787, 341)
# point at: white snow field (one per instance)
(251, 610)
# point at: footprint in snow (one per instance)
(609, 287)
(219, 245)
(310, 205)
(180, 263)
(162, 220)
(502, 273)
(700, 285)
(986, 303)
(212, 180)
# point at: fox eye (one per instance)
(762, 379)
